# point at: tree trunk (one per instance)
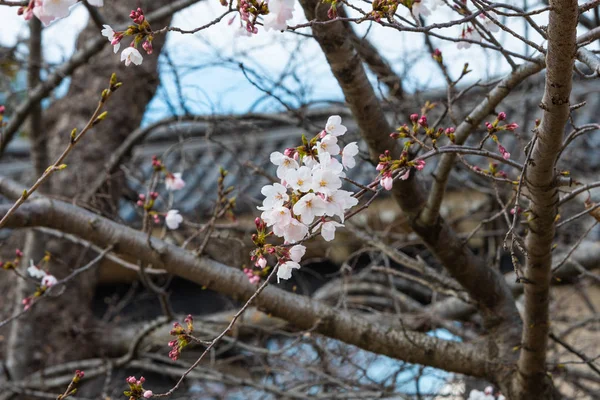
(58, 330)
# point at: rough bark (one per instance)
(532, 381)
(30, 342)
(300, 311)
(485, 285)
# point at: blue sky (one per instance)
(206, 63)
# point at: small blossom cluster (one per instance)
(491, 171)
(71, 389)
(48, 11)
(487, 394)
(9, 265)
(37, 272)
(136, 390)
(310, 188)
(417, 8)
(387, 168)
(494, 127)
(276, 15)
(182, 337)
(288, 258)
(141, 32)
(470, 33)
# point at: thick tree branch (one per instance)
(485, 285)
(543, 193)
(298, 310)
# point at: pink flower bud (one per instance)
(189, 319)
(501, 116)
(131, 380)
(450, 131)
(262, 262)
(153, 195)
(19, 253)
(502, 150)
(2, 109)
(511, 127)
(387, 182)
(148, 394)
(147, 45)
(142, 380)
(423, 121)
(414, 117)
(419, 165)
(380, 167)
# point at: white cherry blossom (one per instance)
(295, 231)
(131, 55)
(348, 154)
(299, 179)
(310, 161)
(284, 271)
(328, 229)
(278, 216)
(334, 126)
(275, 196)
(338, 202)
(325, 181)
(297, 252)
(173, 219)
(174, 181)
(309, 207)
(419, 8)
(49, 10)
(34, 271)
(283, 162)
(49, 280)
(328, 145)
(280, 11)
(110, 35)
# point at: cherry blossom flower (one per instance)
(325, 181)
(277, 216)
(147, 393)
(131, 55)
(295, 231)
(334, 126)
(387, 182)
(49, 10)
(419, 8)
(275, 196)
(503, 151)
(299, 179)
(338, 202)
(283, 162)
(174, 181)
(348, 154)
(310, 161)
(326, 162)
(49, 280)
(173, 219)
(284, 271)
(309, 207)
(297, 252)
(34, 271)
(328, 229)
(280, 11)
(261, 262)
(328, 145)
(110, 35)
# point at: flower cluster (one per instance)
(487, 394)
(307, 198)
(471, 33)
(141, 32)
(136, 390)
(494, 127)
(37, 272)
(10, 265)
(48, 11)
(280, 11)
(183, 337)
(71, 389)
(417, 8)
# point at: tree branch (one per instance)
(298, 310)
(543, 193)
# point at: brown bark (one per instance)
(532, 381)
(485, 285)
(31, 342)
(300, 311)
